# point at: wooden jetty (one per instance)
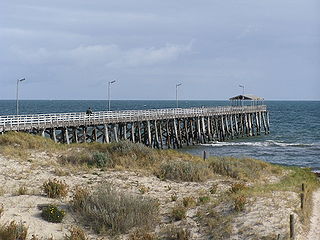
(157, 128)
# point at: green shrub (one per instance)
(52, 213)
(55, 188)
(183, 171)
(116, 212)
(13, 231)
(76, 233)
(100, 159)
(203, 199)
(178, 212)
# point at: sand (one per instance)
(314, 233)
(264, 216)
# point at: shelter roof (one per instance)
(247, 97)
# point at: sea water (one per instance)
(294, 137)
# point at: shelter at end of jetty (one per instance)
(246, 99)
(157, 128)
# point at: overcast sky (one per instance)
(70, 49)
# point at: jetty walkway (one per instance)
(159, 128)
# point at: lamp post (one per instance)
(19, 80)
(109, 87)
(242, 86)
(177, 85)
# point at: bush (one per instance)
(51, 213)
(1, 210)
(178, 212)
(204, 199)
(183, 171)
(55, 188)
(142, 234)
(175, 233)
(22, 190)
(239, 203)
(13, 231)
(116, 212)
(237, 187)
(76, 233)
(100, 159)
(188, 202)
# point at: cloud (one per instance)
(107, 55)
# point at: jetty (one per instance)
(157, 128)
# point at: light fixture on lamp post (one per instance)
(109, 87)
(17, 104)
(177, 85)
(242, 86)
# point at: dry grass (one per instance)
(76, 233)
(179, 170)
(108, 210)
(242, 168)
(13, 231)
(173, 232)
(142, 234)
(178, 212)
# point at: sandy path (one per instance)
(314, 233)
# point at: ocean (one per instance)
(294, 137)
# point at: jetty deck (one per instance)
(172, 128)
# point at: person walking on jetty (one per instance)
(89, 111)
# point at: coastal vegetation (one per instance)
(129, 189)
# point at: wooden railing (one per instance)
(22, 122)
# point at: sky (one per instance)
(70, 49)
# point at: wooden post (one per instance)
(291, 226)
(132, 132)
(302, 200)
(115, 133)
(75, 135)
(156, 134)
(125, 131)
(231, 126)
(149, 134)
(204, 155)
(54, 135)
(139, 132)
(199, 131)
(186, 130)
(106, 133)
(176, 136)
(161, 133)
(67, 135)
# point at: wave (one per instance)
(267, 143)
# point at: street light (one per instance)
(177, 85)
(109, 86)
(19, 80)
(242, 86)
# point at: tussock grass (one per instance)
(180, 170)
(13, 231)
(173, 232)
(108, 210)
(242, 168)
(76, 233)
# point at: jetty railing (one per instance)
(152, 127)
